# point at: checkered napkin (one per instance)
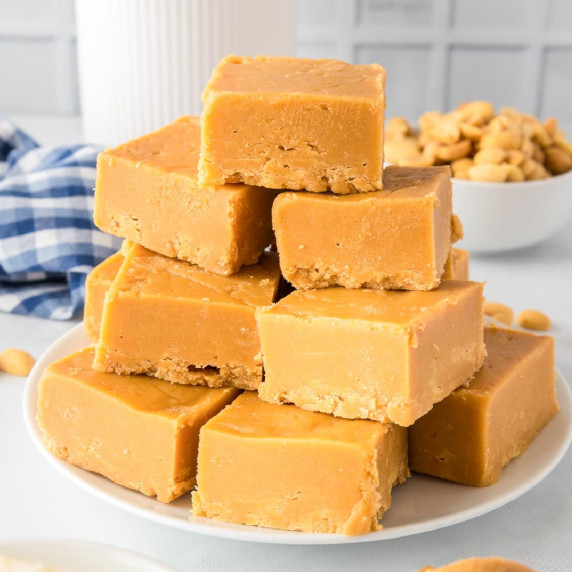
(48, 242)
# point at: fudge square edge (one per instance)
(397, 238)
(172, 320)
(282, 467)
(385, 355)
(147, 191)
(473, 433)
(140, 432)
(289, 123)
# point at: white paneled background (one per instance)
(437, 53)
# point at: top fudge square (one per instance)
(288, 123)
(147, 191)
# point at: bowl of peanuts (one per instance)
(512, 173)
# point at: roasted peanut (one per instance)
(454, 151)
(476, 112)
(471, 132)
(472, 139)
(541, 136)
(560, 141)
(16, 362)
(537, 152)
(500, 312)
(398, 127)
(490, 156)
(551, 126)
(503, 139)
(445, 131)
(515, 174)
(515, 157)
(419, 161)
(539, 172)
(428, 119)
(558, 161)
(460, 167)
(489, 173)
(399, 151)
(533, 320)
(529, 166)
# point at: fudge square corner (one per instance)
(385, 355)
(290, 123)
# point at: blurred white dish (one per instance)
(506, 216)
(419, 505)
(81, 556)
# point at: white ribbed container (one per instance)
(143, 63)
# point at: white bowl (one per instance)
(506, 216)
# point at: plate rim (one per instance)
(272, 536)
(139, 561)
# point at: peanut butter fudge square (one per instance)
(282, 467)
(139, 432)
(474, 432)
(97, 284)
(398, 238)
(173, 320)
(147, 191)
(289, 123)
(386, 355)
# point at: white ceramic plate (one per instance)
(81, 556)
(420, 505)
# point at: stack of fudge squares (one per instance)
(291, 408)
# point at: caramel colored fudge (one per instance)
(493, 564)
(147, 191)
(457, 265)
(282, 467)
(288, 123)
(386, 355)
(472, 434)
(139, 432)
(172, 320)
(97, 284)
(398, 238)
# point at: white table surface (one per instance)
(536, 529)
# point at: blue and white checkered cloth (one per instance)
(48, 242)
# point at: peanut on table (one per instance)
(481, 146)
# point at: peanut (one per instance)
(428, 119)
(490, 156)
(481, 146)
(529, 166)
(515, 157)
(445, 131)
(515, 174)
(398, 127)
(560, 141)
(503, 139)
(551, 126)
(471, 132)
(541, 136)
(16, 362)
(454, 151)
(400, 151)
(537, 153)
(558, 161)
(533, 320)
(500, 312)
(489, 173)
(476, 112)
(459, 167)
